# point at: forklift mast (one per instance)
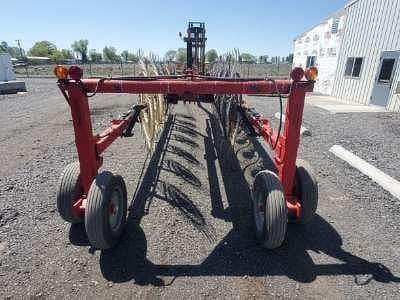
(195, 46)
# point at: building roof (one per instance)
(336, 14)
(351, 3)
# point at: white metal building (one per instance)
(368, 71)
(6, 69)
(367, 68)
(320, 47)
(8, 82)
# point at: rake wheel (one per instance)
(152, 118)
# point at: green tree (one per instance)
(67, 54)
(289, 58)
(42, 48)
(94, 55)
(170, 55)
(132, 57)
(57, 56)
(13, 51)
(263, 59)
(129, 56)
(62, 55)
(125, 55)
(110, 54)
(211, 56)
(81, 48)
(248, 58)
(181, 55)
(3, 47)
(276, 59)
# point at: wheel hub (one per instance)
(114, 210)
(259, 210)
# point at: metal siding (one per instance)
(370, 64)
(373, 51)
(372, 26)
(394, 100)
(394, 103)
(338, 85)
(352, 93)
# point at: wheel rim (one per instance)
(259, 210)
(115, 209)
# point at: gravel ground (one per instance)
(189, 231)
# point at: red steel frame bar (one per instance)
(190, 85)
(90, 147)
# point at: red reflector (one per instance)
(297, 74)
(75, 72)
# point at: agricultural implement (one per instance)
(99, 199)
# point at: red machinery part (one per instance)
(188, 85)
(90, 146)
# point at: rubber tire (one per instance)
(307, 192)
(68, 192)
(273, 232)
(97, 225)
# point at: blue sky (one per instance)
(255, 26)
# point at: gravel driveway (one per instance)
(189, 232)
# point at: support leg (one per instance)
(89, 160)
(286, 151)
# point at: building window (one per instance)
(327, 35)
(386, 70)
(311, 61)
(331, 51)
(335, 26)
(308, 39)
(353, 67)
(316, 37)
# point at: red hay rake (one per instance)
(99, 199)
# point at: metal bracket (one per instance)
(245, 113)
(133, 116)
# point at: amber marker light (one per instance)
(61, 72)
(311, 74)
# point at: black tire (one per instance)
(68, 191)
(269, 210)
(102, 230)
(307, 192)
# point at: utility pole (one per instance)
(22, 57)
(21, 54)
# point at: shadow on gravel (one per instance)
(190, 158)
(186, 117)
(182, 172)
(77, 235)
(237, 254)
(185, 140)
(127, 260)
(176, 198)
(186, 123)
(186, 130)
